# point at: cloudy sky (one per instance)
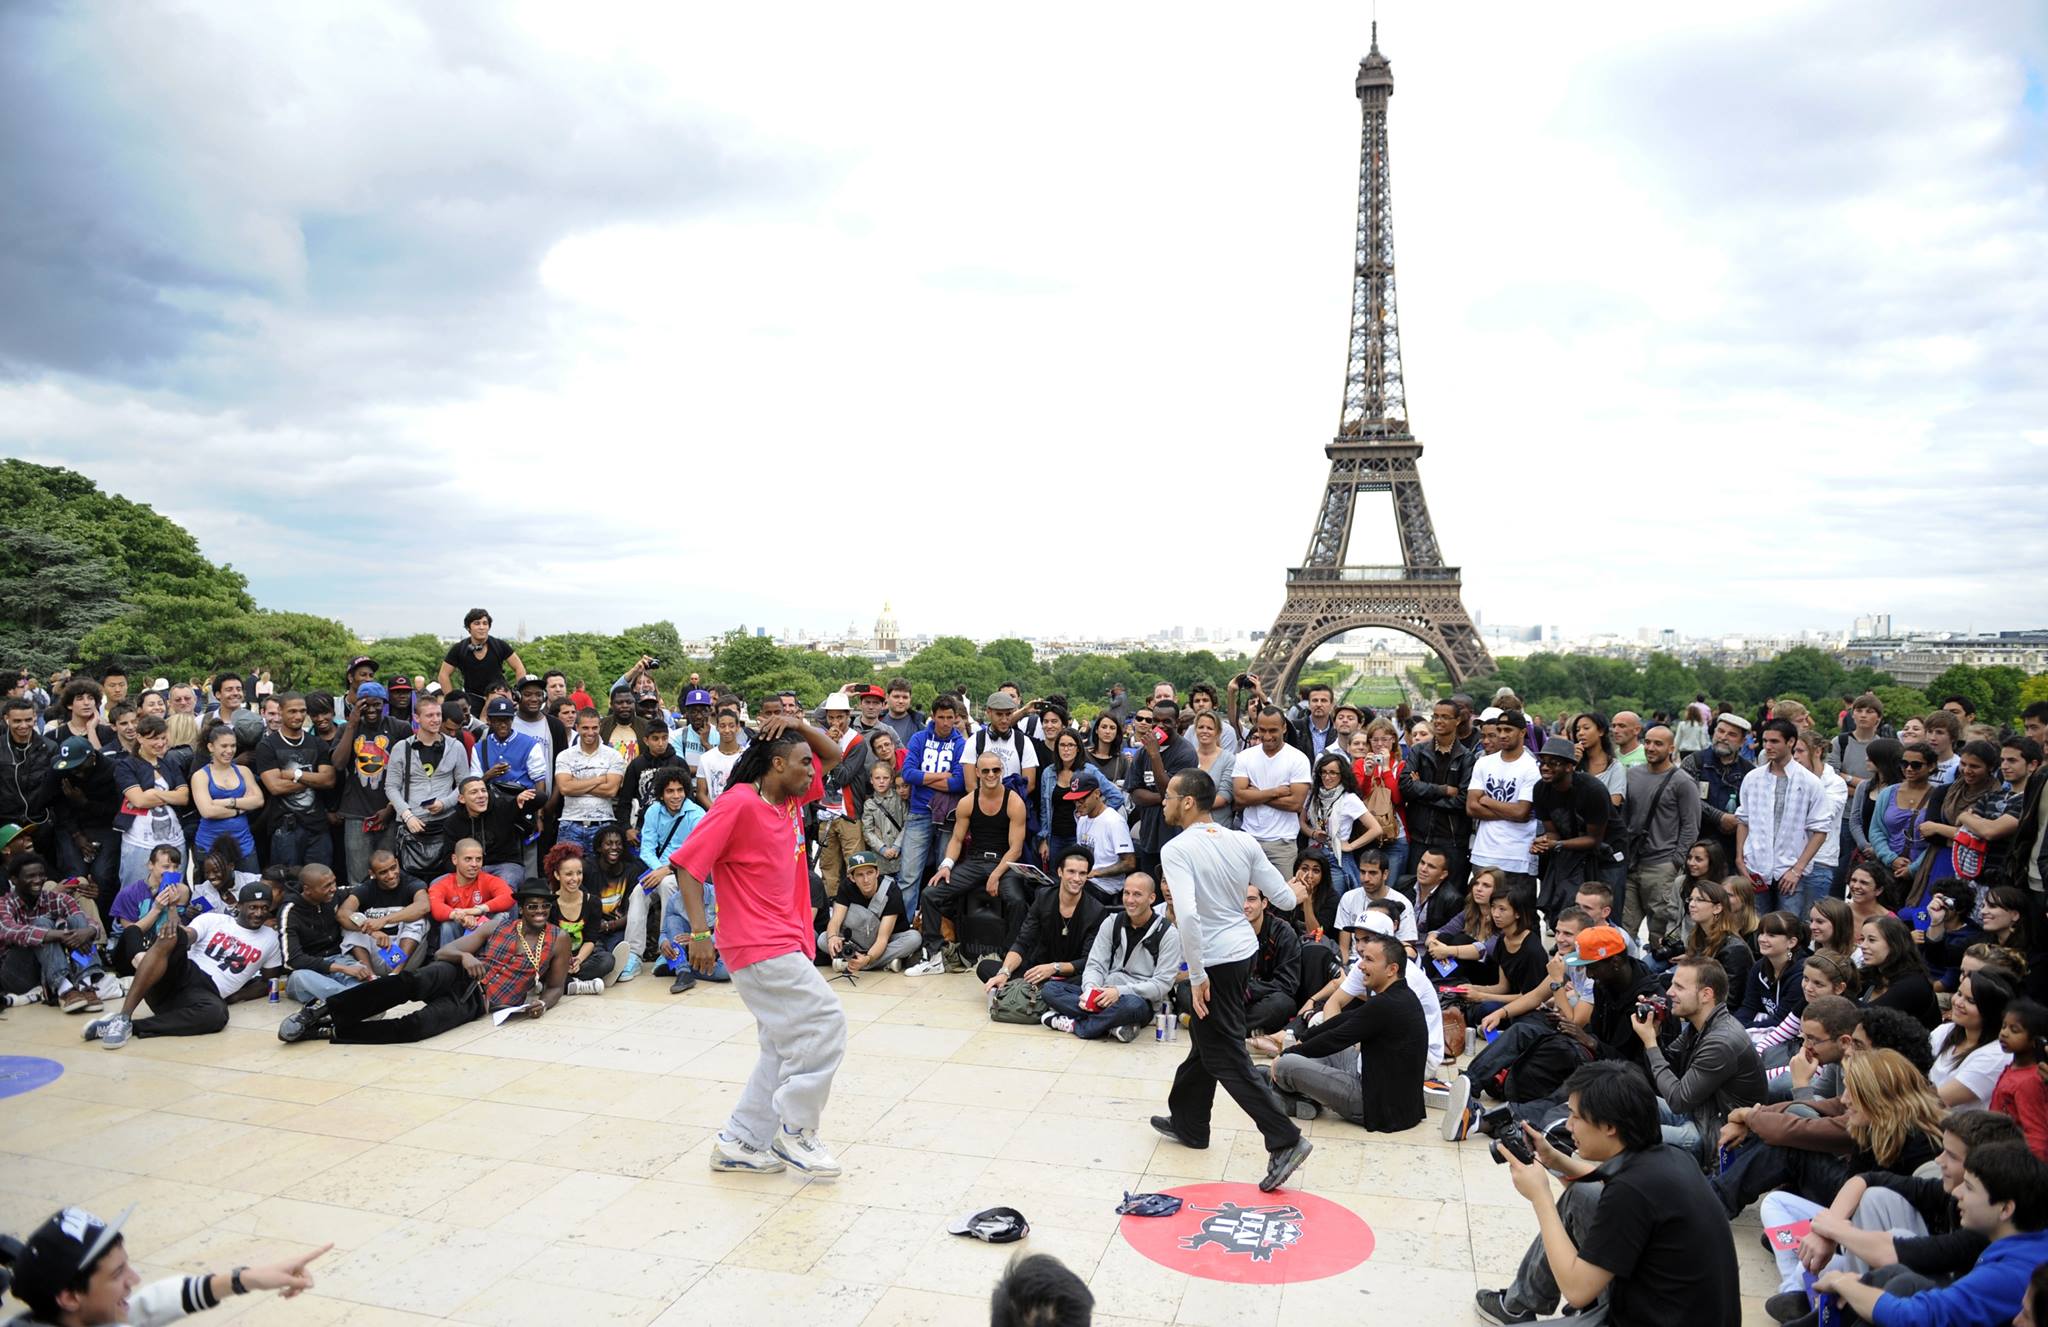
(602, 313)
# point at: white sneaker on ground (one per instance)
(932, 966)
(728, 1153)
(1458, 1114)
(895, 965)
(1058, 1022)
(801, 1148)
(1436, 1093)
(110, 987)
(34, 995)
(587, 986)
(111, 1031)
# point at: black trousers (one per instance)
(451, 999)
(184, 1002)
(1216, 1054)
(950, 899)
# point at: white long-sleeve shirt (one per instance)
(1207, 867)
(1780, 813)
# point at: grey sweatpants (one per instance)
(802, 1031)
(1331, 1082)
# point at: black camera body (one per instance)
(654, 663)
(1514, 1143)
(1656, 1008)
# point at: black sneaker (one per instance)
(1493, 1306)
(1124, 1032)
(306, 1023)
(1284, 1162)
(1788, 1306)
(685, 980)
(1163, 1125)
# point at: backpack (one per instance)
(972, 752)
(1017, 1002)
(1538, 1073)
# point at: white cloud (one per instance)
(726, 315)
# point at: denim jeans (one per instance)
(105, 867)
(306, 985)
(918, 836)
(295, 844)
(1065, 997)
(1679, 1130)
(675, 926)
(582, 833)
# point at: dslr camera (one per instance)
(655, 664)
(1656, 1008)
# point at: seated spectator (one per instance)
(1274, 992)
(1814, 1071)
(1803, 1148)
(1713, 930)
(1462, 950)
(581, 918)
(1057, 932)
(508, 962)
(2021, 1091)
(1373, 887)
(1328, 997)
(2004, 1198)
(1775, 990)
(1519, 953)
(1102, 829)
(1968, 1054)
(1881, 1218)
(2001, 920)
(461, 900)
(988, 838)
(1367, 1059)
(1314, 916)
(309, 939)
(386, 917)
(673, 948)
(1595, 898)
(614, 877)
(494, 816)
(1831, 926)
(1710, 1069)
(193, 973)
(1636, 1231)
(148, 906)
(868, 928)
(1130, 968)
(1893, 974)
(1439, 899)
(49, 945)
(1825, 973)
(1895, 1124)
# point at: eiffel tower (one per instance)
(1373, 452)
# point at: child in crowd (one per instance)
(2022, 1092)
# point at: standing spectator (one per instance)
(1498, 799)
(86, 801)
(715, 765)
(1159, 754)
(1664, 822)
(25, 757)
(1571, 810)
(901, 718)
(1433, 793)
(931, 756)
(1783, 820)
(588, 775)
(1312, 732)
(1271, 782)
(1719, 770)
(152, 794)
(295, 766)
(480, 658)
(224, 794)
(363, 755)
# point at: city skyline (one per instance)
(1656, 265)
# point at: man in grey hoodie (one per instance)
(1719, 1069)
(1132, 964)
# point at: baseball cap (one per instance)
(161, 684)
(1490, 713)
(872, 691)
(372, 691)
(1085, 783)
(501, 708)
(362, 661)
(401, 683)
(433, 689)
(1596, 943)
(993, 1225)
(529, 680)
(1000, 700)
(1369, 920)
(256, 891)
(9, 833)
(696, 696)
(62, 1248)
(859, 859)
(73, 752)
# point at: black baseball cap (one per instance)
(61, 1250)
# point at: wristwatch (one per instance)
(1556, 986)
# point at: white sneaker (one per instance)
(111, 1031)
(587, 986)
(1058, 1022)
(931, 967)
(729, 1153)
(895, 965)
(801, 1148)
(34, 995)
(110, 987)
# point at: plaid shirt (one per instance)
(513, 979)
(25, 926)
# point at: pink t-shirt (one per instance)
(756, 854)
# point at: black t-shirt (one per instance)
(1150, 829)
(377, 902)
(887, 900)
(1580, 804)
(364, 765)
(274, 752)
(1663, 1234)
(479, 675)
(1525, 969)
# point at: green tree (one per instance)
(1963, 680)
(1901, 703)
(53, 591)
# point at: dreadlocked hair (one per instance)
(759, 756)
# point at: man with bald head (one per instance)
(1626, 728)
(467, 896)
(309, 930)
(1663, 821)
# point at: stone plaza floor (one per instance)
(555, 1171)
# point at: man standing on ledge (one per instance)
(752, 843)
(1207, 869)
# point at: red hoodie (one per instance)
(447, 894)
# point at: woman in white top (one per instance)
(1217, 763)
(1334, 815)
(1967, 1056)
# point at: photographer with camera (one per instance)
(1636, 1236)
(1712, 1068)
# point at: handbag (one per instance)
(1379, 804)
(423, 856)
(1017, 1002)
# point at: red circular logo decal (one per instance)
(1232, 1232)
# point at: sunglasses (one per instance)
(1912, 764)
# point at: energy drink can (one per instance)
(276, 989)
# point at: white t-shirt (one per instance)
(1261, 771)
(1005, 748)
(1504, 843)
(231, 954)
(1207, 867)
(1345, 814)
(157, 825)
(576, 763)
(1432, 1006)
(1109, 838)
(715, 767)
(1353, 906)
(1979, 1070)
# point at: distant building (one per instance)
(887, 636)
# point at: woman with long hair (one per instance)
(1705, 860)
(580, 916)
(1968, 1058)
(1884, 754)
(1900, 807)
(1974, 804)
(1333, 817)
(1467, 940)
(2001, 920)
(1218, 762)
(1742, 918)
(1831, 929)
(1597, 757)
(1713, 934)
(1893, 974)
(610, 872)
(1774, 993)
(1894, 1119)
(1315, 899)
(1823, 973)
(1106, 748)
(1519, 953)
(1383, 766)
(1866, 895)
